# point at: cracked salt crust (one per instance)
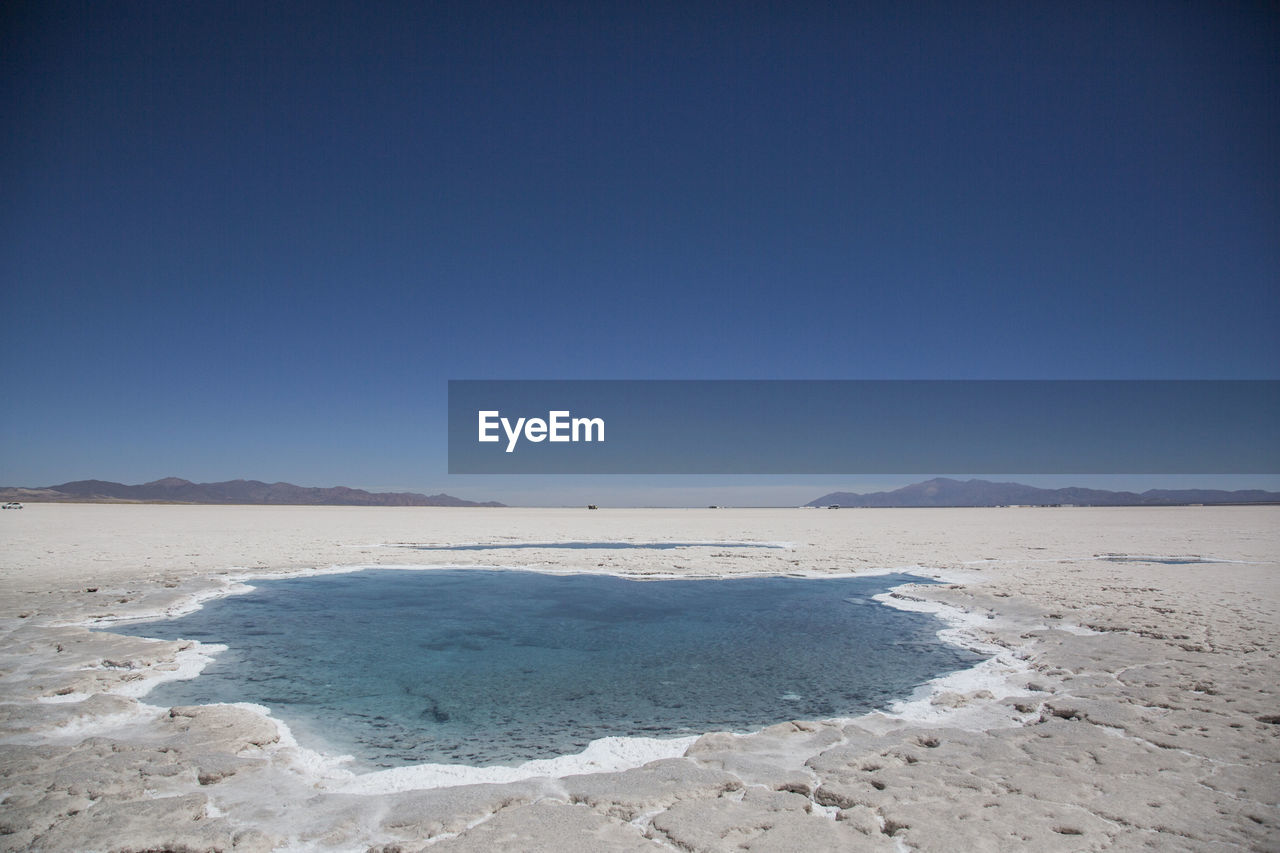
(1166, 676)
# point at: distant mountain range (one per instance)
(946, 492)
(176, 490)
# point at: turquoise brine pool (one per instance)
(484, 667)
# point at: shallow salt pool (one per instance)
(484, 667)
(601, 546)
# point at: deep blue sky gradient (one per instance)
(255, 240)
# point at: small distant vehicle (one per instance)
(592, 506)
(13, 505)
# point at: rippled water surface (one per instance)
(496, 667)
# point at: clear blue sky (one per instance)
(255, 239)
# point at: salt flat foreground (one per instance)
(1130, 704)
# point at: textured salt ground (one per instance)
(1133, 706)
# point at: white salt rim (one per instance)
(327, 771)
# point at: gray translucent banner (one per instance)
(864, 427)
